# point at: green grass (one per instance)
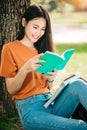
(10, 125)
(7, 125)
(79, 47)
(78, 62)
(9, 121)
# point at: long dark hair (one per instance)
(45, 42)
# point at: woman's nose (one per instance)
(39, 32)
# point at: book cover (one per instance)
(62, 86)
(54, 61)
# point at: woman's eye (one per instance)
(43, 29)
(35, 27)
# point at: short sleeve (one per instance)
(8, 66)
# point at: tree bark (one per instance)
(10, 18)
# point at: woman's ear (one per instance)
(23, 22)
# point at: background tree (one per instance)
(10, 17)
(80, 5)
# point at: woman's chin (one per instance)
(35, 40)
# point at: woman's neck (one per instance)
(27, 43)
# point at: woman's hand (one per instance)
(51, 77)
(33, 63)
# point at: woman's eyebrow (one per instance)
(38, 26)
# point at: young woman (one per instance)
(30, 90)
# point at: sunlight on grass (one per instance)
(78, 62)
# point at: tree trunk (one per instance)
(10, 13)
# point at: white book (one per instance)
(62, 86)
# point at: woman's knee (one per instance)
(77, 83)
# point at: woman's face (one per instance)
(35, 29)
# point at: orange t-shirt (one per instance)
(13, 57)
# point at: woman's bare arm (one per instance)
(14, 84)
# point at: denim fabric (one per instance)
(34, 116)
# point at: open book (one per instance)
(62, 86)
(54, 61)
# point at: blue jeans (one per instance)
(34, 116)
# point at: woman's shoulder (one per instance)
(11, 45)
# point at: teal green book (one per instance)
(54, 61)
